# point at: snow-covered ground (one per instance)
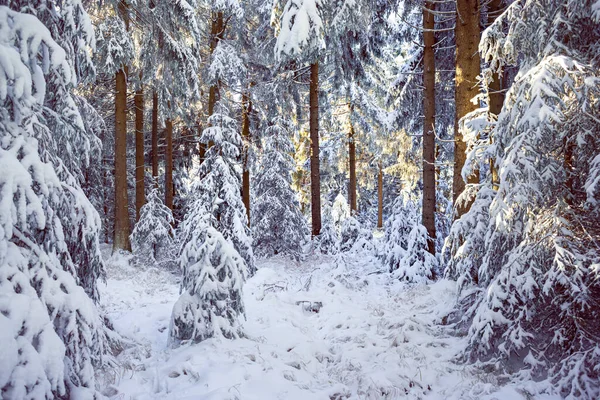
(372, 338)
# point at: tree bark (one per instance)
(380, 197)
(315, 174)
(467, 70)
(217, 32)
(429, 202)
(352, 197)
(140, 195)
(169, 163)
(246, 109)
(122, 228)
(496, 93)
(155, 137)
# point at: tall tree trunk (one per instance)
(496, 88)
(122, 228)
(140, 195)
(467, 69)
(246, 109)
(429, 202)
(155, 137)
(380, 197)
(315, 174)
(169, 163)
(217, 32)
(352, 161)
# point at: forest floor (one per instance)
(372, 338)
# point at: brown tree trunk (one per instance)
(140, 195)
(246, 109)
(467, 69)
(496, 93)
(352, 161)
(217, 32)
(155, 136)
(380, 197)
(169, 163)
(429, 202)
(122, 228)
(315, 174)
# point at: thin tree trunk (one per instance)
(352, 161)
(140, 195)
(428, 208)
(122, 228)
(155, 137)
(467, 69)
(246, 109)
(315, 174)
(217, 34)
(496, 93)
(380, 197)
(169, 163)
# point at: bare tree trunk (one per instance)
(122, 228)
(467, 69)
(169, 163)
(246, 109)
(380, 197)
(155, 136)
(140, 195)
(217, 32)
(352, 198)
(315, 174)
(429, 125)
(496, 93)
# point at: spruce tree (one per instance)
(278, 225)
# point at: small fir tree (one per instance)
(153, 235)
(278, 224)
(211, 301)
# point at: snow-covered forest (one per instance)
(300, 199)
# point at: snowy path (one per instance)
(372, 339)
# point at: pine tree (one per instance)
(211, 302)
(529, 295)
(52, 334)
(153, 235)
(217, 193)
(300, 39)
(328, 242)
(278, 225)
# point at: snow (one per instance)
(373, 338)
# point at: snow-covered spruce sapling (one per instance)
(211, 302)
(350, 231)
(153, 235)
(397, 230)
(536, 277)
(328, 242)
(277, 222)
(417, 265)
(217, 192)
(52, 333)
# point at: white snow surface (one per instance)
(373, 338)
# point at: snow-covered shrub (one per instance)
(350, 231)
(328, 241)
(417, 265)
(340, 211)
(52, 334)
(211, 301)
(397, 231)
(152, 238)
(277, 222)
(534, 276)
